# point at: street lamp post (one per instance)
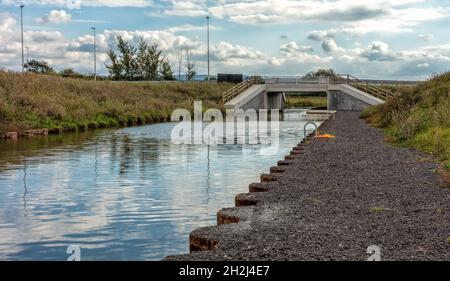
(95, 54)
(207, 28)
(21, 29)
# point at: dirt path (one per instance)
(334, 201)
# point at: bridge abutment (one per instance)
(275, 101)
(338, 100)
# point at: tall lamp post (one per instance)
(95, 54)
(207, 31)
(21, 30)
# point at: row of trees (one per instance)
(42, 67)
(36, 66)
(143, 62)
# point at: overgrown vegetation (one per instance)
(34, 101)
(321, 72)
(418, 117)
(42, 67)
(306, 101)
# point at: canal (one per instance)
(127, 194)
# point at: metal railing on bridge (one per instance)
(348, 78)
(241, 87)
(375, 88)
(295, 80)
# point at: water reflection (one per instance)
(25, 189)
(128, 194)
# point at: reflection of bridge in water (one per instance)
(344, 92)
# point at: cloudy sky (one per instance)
(401, 39)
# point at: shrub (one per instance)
(418, 117)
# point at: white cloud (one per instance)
(343, 11)
(349, 17)
(380, 51)
(292, 52)
(167, 41)
(190, 27)
(55, 17)
(293, 48)
(320, 35)
(329, 46)
(238, 55)
(426, 37)
(190, 8)
(76, 4)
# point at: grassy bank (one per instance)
(32, 101)
(306, 101)
(418, 117)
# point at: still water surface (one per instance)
(126, 194)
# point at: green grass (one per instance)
(418, 117)
(34, 101)
(306, 101)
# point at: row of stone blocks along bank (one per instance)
(200, 239)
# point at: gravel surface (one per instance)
(334, 201)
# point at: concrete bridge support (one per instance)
(342, 102)
(347, 98)
(275, 101)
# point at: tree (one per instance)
(127, 56)
(166, 70)
(115, 68)
(321, 72)
(144, 62)
(70, 73)
(142, 59)
(190, 67)
(149, 60)
(36, 66)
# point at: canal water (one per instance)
(127, 194)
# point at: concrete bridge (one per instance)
(345, 93)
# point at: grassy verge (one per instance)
(418, 117)
(306, 101)
(34, 101)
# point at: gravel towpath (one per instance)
(333, 201)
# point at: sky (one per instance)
(378, 39)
